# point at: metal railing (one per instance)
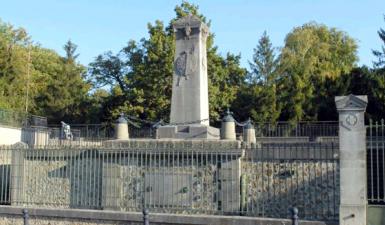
(12, 118)
(311, 129)
(21, 119)
(262, 181)
(83, 135)
(376, 162)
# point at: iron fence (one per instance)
(100, 132)
(21, 119)
(262, 181)
(84, 135)
(311, 129)
(375, 162)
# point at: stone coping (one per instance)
(155, 218)
(173, 143)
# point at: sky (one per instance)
(98, 26)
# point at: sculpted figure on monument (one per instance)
(180, 66)
(187, 31)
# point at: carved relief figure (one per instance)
(180, 66)
(187, 31)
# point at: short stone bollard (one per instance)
(228, 126)
(294, 216)
(249, 133)
(121, 128)
(146, 217)
(25, 217)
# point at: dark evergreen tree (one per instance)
(380, 54)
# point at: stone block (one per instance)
(111, 186)
(188, 132)
(229, 178)
(168, 189)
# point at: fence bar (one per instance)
(25, 217)
(146, 217)
(294, 216)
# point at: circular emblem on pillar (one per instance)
(351, 119)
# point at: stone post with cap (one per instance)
(228, 126)
(352, 141)
(121, 128)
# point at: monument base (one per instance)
(188, 132)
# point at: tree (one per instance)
(65, 89)
(370, 82)
(13, 66)
(312, 54)
(263, 80)
(380, 54)
(70, 49)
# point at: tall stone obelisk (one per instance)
(189, 103)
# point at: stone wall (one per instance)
(270, 188)
(120, 180)
(181, 178)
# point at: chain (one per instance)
(161, 122)
(140, 120)
(214, 135)
(188, 123)
(240, 124)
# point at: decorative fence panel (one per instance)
(279, 176)
(376, 162)
(21, 119)
(263, 181)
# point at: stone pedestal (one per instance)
(352, 139)
(188, 132)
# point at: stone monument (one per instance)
(189, 103)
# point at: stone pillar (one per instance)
(121, 128)
(189, 100)
(189, 116)
(111, 186)
(352, 139)
(249, 133)
(228, 127)
(17, 176)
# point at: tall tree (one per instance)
(65, 89)
(263, 77)
(141, 73)
(380, 54)
(312, 54)
(70, 50)
(13, 66)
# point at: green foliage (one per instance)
(261, 85)
(312, 54)
(55, 84)
(370, 82)
(380, 54)
(140, 75)
(298, 82)
(13, 66)
(65, 89)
